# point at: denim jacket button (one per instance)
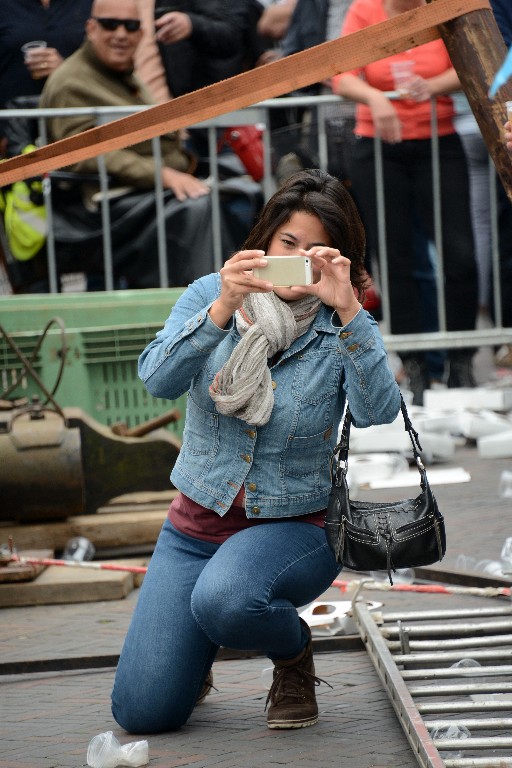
(252, 486)
(251, 433)
(353, 347)
(255, 510)
(246, 457)
(274, 385)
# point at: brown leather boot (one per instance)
(292, 693)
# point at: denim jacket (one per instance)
(284, 464)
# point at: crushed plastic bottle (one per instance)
(79, 549)
(266, 677)
(465, 563)
(454, 731)
(465, 664)
(506, 556)
(505, 487)
(489, 567)
(105, 751)
(400, 576)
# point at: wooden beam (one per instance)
(412, 28)
(477, 51)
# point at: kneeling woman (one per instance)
(268, 371)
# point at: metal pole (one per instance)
(214, 173)
(456, 613)
(438, 231)
(455, 643)
(50, 237)
(323, 151)
(160, 215)
(495, 252)
(381, 235)
(105, 225)
(450, 629)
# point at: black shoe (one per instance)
(417, 374)
(461, 370)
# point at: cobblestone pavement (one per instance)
(47, 720)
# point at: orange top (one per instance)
(429, 60)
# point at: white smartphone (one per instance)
(283, 271)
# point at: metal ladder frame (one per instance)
(474, 639)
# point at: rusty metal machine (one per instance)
(55, 464)
(59, 462)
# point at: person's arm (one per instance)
(214, 30)
(179, 350)
(369, 383)
(446, 82)
(502, 10)
(275, 19)
(421, 88)
(385, 119)
(42, 62)
(184, 185)
(508, 135)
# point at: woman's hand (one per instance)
(333, 286)
(508, 135)
(385, 119)
(418, 88)
(184, 185)
(238, 281)
(42, 62)
(173, 27)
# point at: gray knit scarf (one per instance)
(267, 324)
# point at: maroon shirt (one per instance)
(192, 519)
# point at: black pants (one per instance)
(188, 231)
(505, 250)
(408, 197)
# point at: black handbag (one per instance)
(375, 536)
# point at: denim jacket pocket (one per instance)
(306, 457)
(201, 434)
(316, 388)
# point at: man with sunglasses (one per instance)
(100, 73)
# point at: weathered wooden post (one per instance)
(477, 51)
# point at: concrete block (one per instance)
(382, 438)
(476, 425)
(437, 445)
(474, 398)
(495, 446)
(437, 422)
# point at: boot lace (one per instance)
(288, 683)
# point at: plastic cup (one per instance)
(505, 487)
(459, 732)
(402, 72)
(27, 48)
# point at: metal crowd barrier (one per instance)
(259, 114)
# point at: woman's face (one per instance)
(302, 231)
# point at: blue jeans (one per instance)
(197, 596)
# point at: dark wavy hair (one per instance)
(318, 193)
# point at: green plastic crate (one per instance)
(105, 333)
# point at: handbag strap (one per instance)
(343, 446)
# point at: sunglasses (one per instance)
(131, 25)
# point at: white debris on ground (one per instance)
(380, 455)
